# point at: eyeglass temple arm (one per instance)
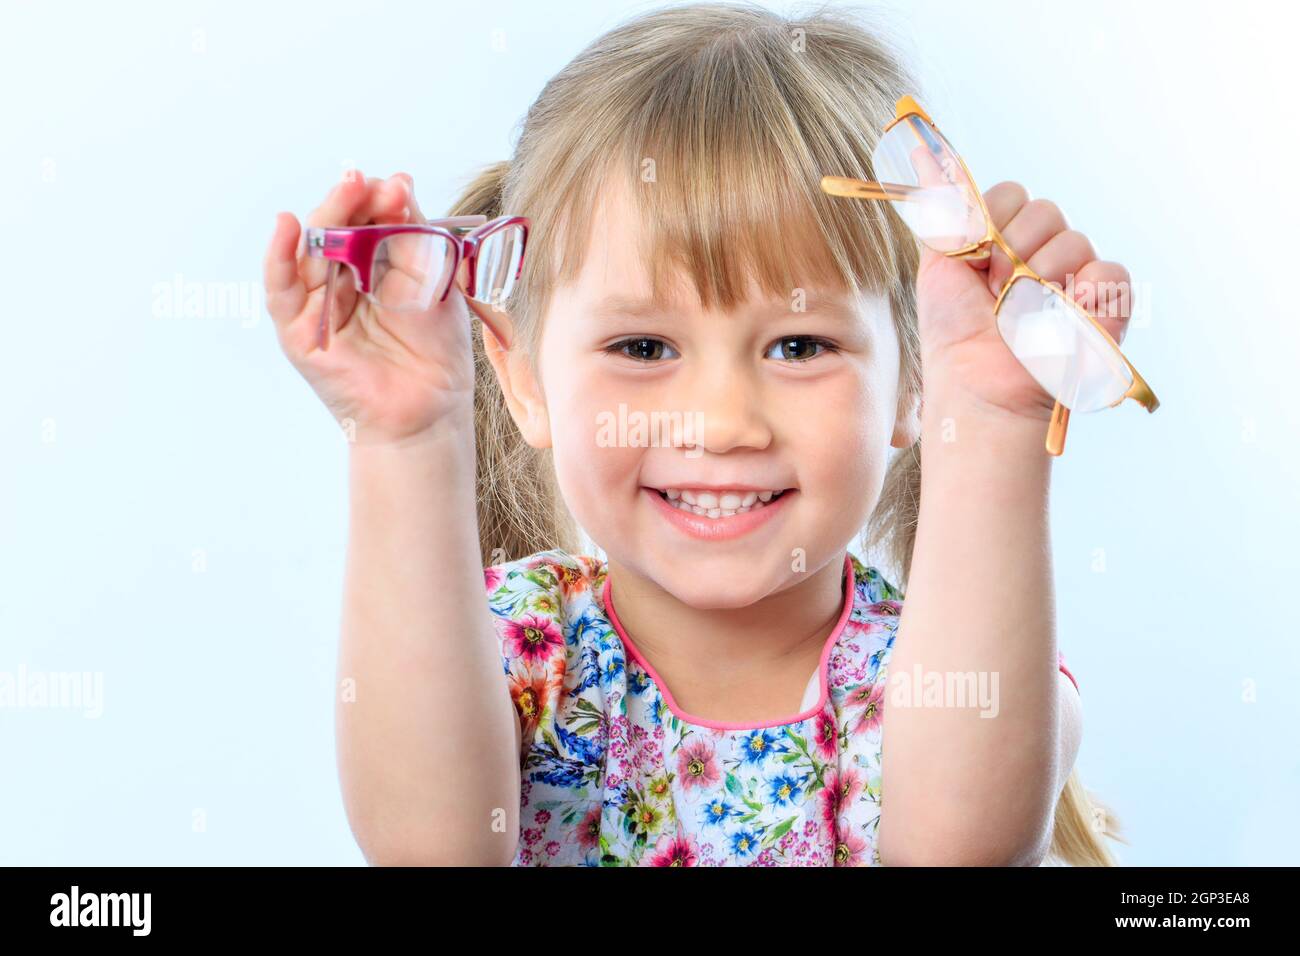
(459, 224)
(316, 245)
(1057, 428)
(1139, 391)
(864, 189)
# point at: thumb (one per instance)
(417, 216)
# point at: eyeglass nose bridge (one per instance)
(467, 253)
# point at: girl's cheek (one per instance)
(594, 460)
(844, 417)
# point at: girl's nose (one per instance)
(730, 409)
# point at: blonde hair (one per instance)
(722, 119)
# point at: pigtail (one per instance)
(1081, 827)
(520, 511)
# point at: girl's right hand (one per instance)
(387, 376)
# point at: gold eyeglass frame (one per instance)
(845, 186)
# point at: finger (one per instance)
(1026, 232)
(1106, 290)
(938, 171)
(285, 292)
(1003, 201)
(340, 205)
(416, 214)
(1064, 254)
(345, 298)
(355, 201)
(386, 202)
(389, 204)
(417, 264)
(935, 171)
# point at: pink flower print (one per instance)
(657, 759)
(826, 735)
(618, 728)
(841, 789)
(868, 705)
(587, 832)
(675, 851)
(552, 848)
(697, 766)
(837, 680)
(492, 578)
(533, 638)
(850, 850)
(646, 752)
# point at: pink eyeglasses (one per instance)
(402, 267)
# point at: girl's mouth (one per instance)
(718, 504)
(718, 515)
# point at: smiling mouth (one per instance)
(718, 504)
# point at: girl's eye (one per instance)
(798, 348)
(642, 349)
(795, 348)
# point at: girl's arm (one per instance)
(428, 749)
(428, 742)
(964, 789)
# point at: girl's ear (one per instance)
(518, 383)
(907, 427)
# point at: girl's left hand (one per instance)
(960, 342)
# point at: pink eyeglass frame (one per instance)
(355, 246)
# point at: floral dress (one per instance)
(614, 774)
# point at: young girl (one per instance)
(714, 691)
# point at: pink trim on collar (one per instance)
(850, 593)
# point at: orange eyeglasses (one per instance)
(1059, 343)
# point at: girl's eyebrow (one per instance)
(631, 307)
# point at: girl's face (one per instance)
(643, 402)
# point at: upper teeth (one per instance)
(718, 503)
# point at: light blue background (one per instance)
(143, 145)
